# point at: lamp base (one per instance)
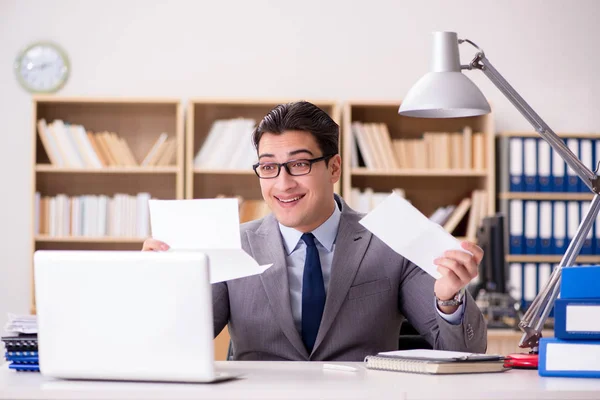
(522, 360)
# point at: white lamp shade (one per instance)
(444, 95)
(444, 92)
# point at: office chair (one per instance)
(410, 339)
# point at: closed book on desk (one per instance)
(435, 362)
(574, 358)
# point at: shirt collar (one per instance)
(325, 233)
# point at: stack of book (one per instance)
(21, 344)
(575, 349)
(22, 352)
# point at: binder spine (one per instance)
(580, 282)
(561, 318)
(543, 363)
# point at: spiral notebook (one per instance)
(436, 362)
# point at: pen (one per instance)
(338, 367)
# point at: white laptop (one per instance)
(125, 315)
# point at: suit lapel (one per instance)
(267, 247)
(351, 244)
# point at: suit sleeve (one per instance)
(415, 302)
(220, 297)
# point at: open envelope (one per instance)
(409, 233)
(207, 225)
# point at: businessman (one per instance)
(335, 291)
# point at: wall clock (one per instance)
(42, 67)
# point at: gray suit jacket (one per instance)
(371, 290)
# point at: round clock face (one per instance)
(42, 68)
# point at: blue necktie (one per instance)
(313, 293)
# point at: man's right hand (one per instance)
(154, 245)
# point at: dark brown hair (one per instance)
(301, 116)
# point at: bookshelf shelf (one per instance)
(533, 258)
(135, 101)
(435, 162)
(224, 171)
(544, 196)
(591, 135)
(458, 173)
(47, 168)
(85, 239)
(93, 174)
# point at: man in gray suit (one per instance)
(335, 291)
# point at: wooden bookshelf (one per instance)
(139, 121)
(201, 114)
(426, 188)
(506, 196)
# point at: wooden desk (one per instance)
(305, 380)
(506, 341)
(500, 341)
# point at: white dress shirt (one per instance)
(325, 236)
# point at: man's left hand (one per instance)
(458, 269)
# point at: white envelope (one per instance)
(207, 225)
(410, 233)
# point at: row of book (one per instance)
(365, 200)
(575, 349)
(72, 146)
(375, 149)
(547, 227)
(228, 145)
(102, 216)
(92, 216)
(535, 167)
(450, 216)
(525, 280)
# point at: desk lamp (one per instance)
(446, 92)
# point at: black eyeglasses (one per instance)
(270, 170)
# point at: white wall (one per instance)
(548, 50)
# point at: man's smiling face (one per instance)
(300, 202)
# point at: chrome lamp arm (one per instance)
(536, 315)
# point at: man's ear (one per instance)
(335, 168)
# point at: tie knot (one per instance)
(309, 239)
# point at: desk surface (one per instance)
(308, 380)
